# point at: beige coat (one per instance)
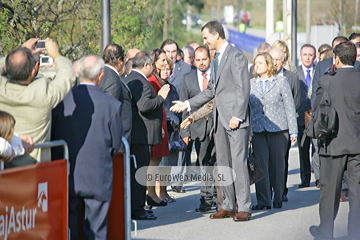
(31, 106)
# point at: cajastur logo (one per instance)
(43, 196)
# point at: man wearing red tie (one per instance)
(193, 83)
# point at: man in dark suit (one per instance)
(146, 121)
(278, 58)
(90, 122)
(341, 151)
(324, 67)
(113, 56)
(199, 132)
(112, 84)
(230, 85)
(305, 73)
(176, 79)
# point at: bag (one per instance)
(254, 166)
(323, 120)
(176, 143)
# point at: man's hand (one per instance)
(234, 123)
(27, 143)
(293, 139)
(164, 91)
(186, 140)
(186, 122)
(178, 107)
(30, 44)
(52, 48)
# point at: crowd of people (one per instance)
(203, 96)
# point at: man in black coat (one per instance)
(341, 152)
(90, 122)
(146, 121)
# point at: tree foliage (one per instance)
(76, 24)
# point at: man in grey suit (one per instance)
(146, 119)
(89, 121)
(230, 85)
(199, 132)
(278, 58)
(305, 74)
(342, 150)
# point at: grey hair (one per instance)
(140, 59)
(90, 67)
(278, 49)
(189, 49)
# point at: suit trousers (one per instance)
(94, 219)
(331, 174)
(271, 147)
(286, 169)
(231, 151)
(304, 156)
(206, 153)
(315, 159)
(138, 191)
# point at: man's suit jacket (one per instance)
(126, 112)
(180, 69)
(31, 105)
(231, 89)
(320, 70)
(272, 110)
(90, 122)
(110, 84)
(343, 90)
(146, 110)
(305, 103)
(201, 128)
(293, 80)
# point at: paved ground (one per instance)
(179, 220)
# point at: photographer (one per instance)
(30, 99)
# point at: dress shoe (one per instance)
(314, 230)
(260, 207)
(304, 185)
(317, 183)
(285, 198)
(222, 214)
(178, 189)
(242, 216)
(277, 205)
(203, 207)
(144, 216)
(149, 211)
(152, 202)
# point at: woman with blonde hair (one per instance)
(284, 47)
(11, 144)
(273, 118)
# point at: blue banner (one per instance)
(244, 41)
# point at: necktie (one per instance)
(308, 78)
(204, 82)
(216, 64)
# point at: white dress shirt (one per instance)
(200, 77)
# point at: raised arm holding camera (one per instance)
(31, 98)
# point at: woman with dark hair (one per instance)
(273, 119)
(161, 150)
